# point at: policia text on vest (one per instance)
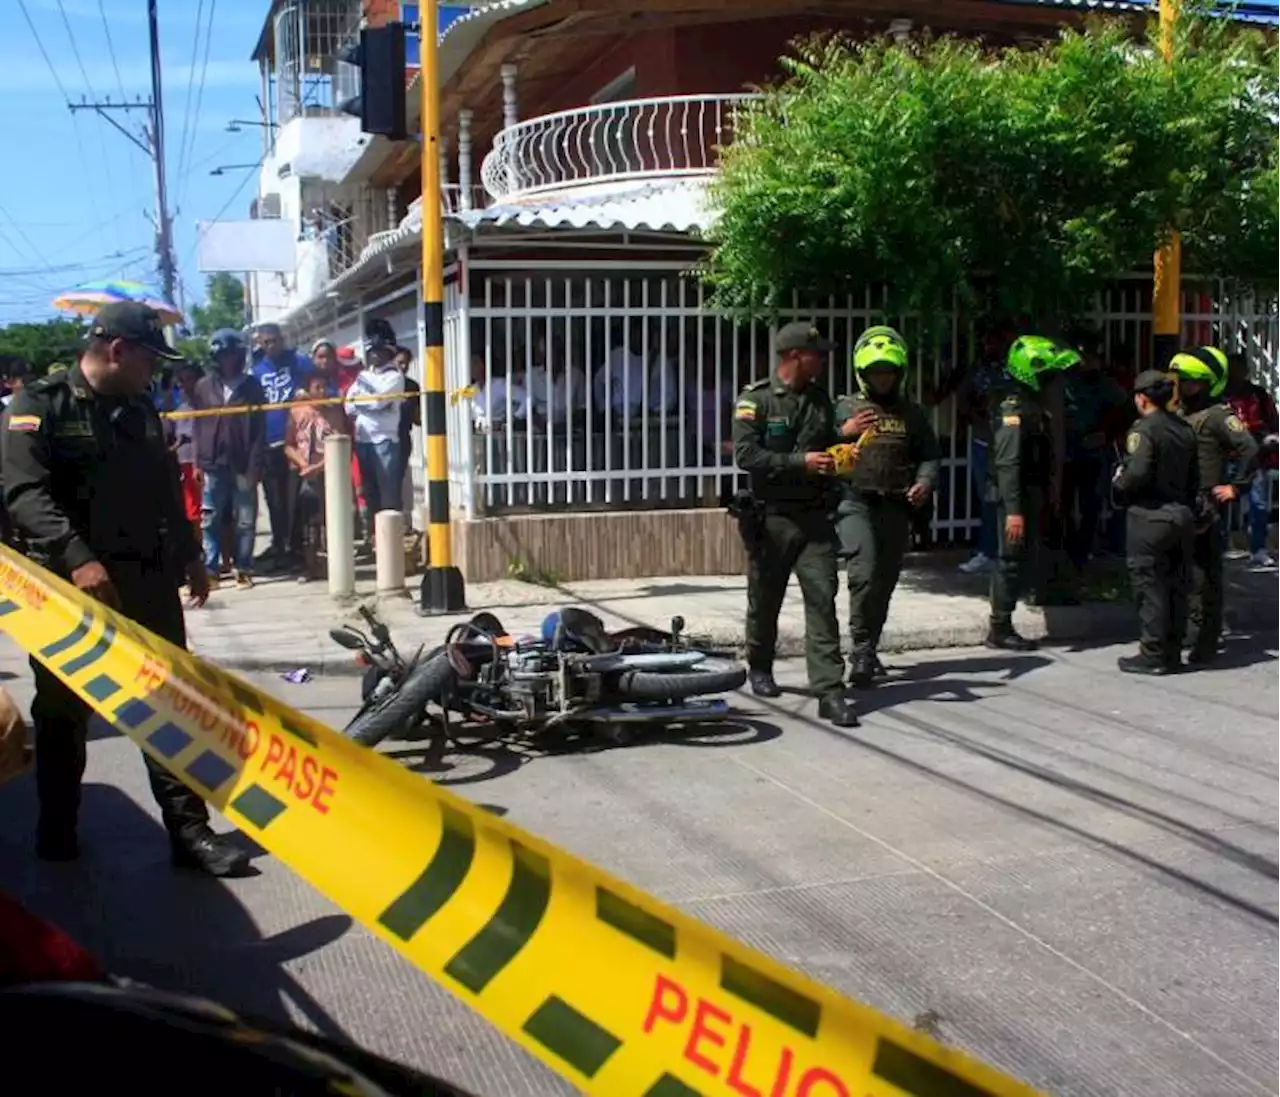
(894, 470)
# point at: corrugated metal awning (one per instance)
(1264, 12)
(681, 205)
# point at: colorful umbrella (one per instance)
(90, 297)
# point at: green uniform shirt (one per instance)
(774, 426)
(1021, 451)
(1160, 463)
(89, 477)
(1220, 439)
(902, 451)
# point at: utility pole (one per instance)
(1166, 296)
(443, 587)
(152, 145)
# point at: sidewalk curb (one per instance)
(1101, 621)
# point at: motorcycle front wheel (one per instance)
(402, 707)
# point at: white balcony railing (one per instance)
(614, 142)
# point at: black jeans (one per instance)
(1081, 506)
(280, 486)
(149, 595)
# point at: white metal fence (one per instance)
(613, 387)
(611, 142)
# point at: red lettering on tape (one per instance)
(300, 773)
(718, 1043)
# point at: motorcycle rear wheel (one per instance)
(402, 708)
(707, 677)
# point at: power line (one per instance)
(191, 80)
(43, 52)
(111, 49)
(204, 69)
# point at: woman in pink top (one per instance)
(304, 448)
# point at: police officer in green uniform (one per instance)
(92, 491)
(782, 428)
(1021, 468)
(1228, 457)
(895, 471)
(1157, 481)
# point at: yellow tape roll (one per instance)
(618, 992)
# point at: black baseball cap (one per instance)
(801, 336)
(136, 323)
(1149, 380)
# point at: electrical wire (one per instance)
(102, 142)
(111, 51)
(191, 81)
(66, 98)
(190, 146)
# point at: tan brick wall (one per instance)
(616, 545)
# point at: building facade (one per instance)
(590, 383)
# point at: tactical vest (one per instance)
(884, 459)
(1210, 460)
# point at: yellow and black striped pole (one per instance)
(1166, 300)
(443, 589)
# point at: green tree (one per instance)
(224, 307)
(43, 343)
(1023, 179)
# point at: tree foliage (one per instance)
(44, 343)
(938, 166)
(224, 308)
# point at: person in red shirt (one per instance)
(1256, 409)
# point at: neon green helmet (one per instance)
(1030, 356)
(1067, 357)
(1205, 364)
(878, 346)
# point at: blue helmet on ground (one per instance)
(225, 341)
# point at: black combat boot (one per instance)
(862, 669)
(763, 684)
(206, 852)
(836, 708)
(1004, 637)
(1142, 664)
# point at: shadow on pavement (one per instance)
(1254, 862)
(499, 757)
(145, 921)
(938, 680)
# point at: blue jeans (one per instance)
(381, 474)
(1259, 515)
(988, 539)
(223, 491)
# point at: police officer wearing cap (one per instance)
(1227, 456)
(1157, 481)
(783, 426)
(93, 494)
(893, 473)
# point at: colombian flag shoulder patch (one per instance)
(24, 422)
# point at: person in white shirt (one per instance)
(377, 421)
(556, 390)
(619, 382)
(497, 400)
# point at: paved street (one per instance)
(1075, 871)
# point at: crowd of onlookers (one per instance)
(290, 403)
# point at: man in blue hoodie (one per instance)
(282, 372)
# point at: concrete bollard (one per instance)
(339, 532)
(389, 551)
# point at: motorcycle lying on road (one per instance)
(574, 676)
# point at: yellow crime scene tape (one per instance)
(616, 991)
(324, 401)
